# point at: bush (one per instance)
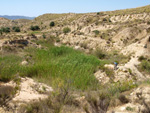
(16, 29)
(6, 92)
(96, 32)
(34, 28)
(128, 108)
(84, 45)
(148, 22)
(44, 36)
(5, 29)
(66, 30)
(141, 58)
(99, 102)
(145, 66)
(104, 19)
(1, 32)
(123, 99)
(52, 24)
(100, 54)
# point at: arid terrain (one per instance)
(64, 63)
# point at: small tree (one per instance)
(44, 36)
(6, 29)
(16, 29)
(98, 13)
(66, 30)
(1, 32)
(52, 24)
(34, 28)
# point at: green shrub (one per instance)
(109, 72)
(123, 99)
(128, 108)
(145, 66)
(1, 32)
(104, 20)
(34, 28)
(52, 24)
(148, 22)
(5, 29)
(96, 32)
(141, 58)
(66, 30)
(44, 36)
(16, 29)
(84, 45)
(100, 54)
(98, 13)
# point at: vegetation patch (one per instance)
(66, 30)
(52, 24)
(53, 63)
(145, 64)
(16, 29)
(111, 57)
(34, 28)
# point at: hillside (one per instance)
(65, 63)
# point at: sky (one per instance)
(35, 8)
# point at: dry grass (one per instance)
(145, 9)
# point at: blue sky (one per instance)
(39, 7)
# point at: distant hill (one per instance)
(16, 17)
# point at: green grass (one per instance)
(9, 66)
(35, 32)
(64, 63)
(54, 63)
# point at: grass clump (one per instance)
(145, 66)
(66, 30)
(6, 93)
(128, 108)
(100, 53)
(96, 32)
(9, 66)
